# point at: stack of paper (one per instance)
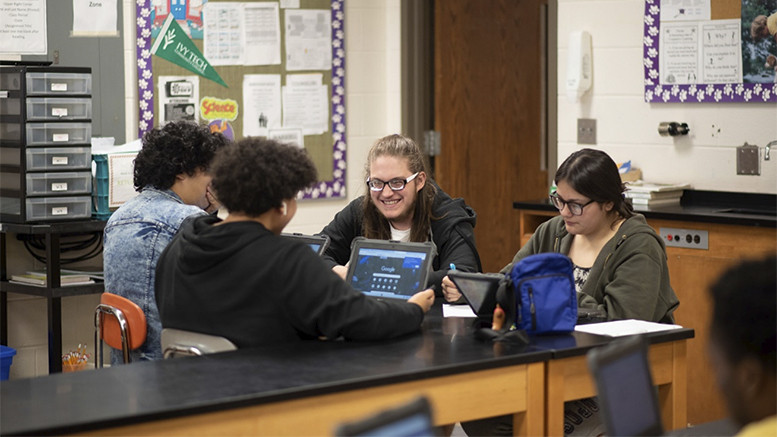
(39, 278)
(644, 195)
(618, 328)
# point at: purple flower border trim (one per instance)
(145, 76)
(325, 189)
(657, 93)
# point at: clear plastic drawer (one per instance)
(43, 108)
(58, 133)
(59, 208)
(59, 83)
(58, 183)
(59, 158)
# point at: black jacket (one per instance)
(453, 234)
(242, 282)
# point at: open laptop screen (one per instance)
(389, 269)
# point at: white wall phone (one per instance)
(579, 65)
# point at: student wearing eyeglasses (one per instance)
(619, 260)
(403, 203)
(619, 264)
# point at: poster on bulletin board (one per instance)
(710, 51)
(249, 68)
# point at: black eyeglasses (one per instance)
(394, 184)
(574, 208)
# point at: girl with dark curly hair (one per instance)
(172, 176)
(238, 278)
(403, 203)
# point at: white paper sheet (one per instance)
(619, 328)
(23, 27)
(306, 107)
(178, 98)
(262, 34)
(457, 311)
(308, 39)
(290, 4)
(679, 43)
(287, 135)
(95, 18)
(261, 103)
(222, 35)
(685, 10)
(242, 33)
(309, 79)
(721, 51)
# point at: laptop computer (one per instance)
(627, 398)
(317, 242)
(389, 269)
(479, 290)
(413, 419)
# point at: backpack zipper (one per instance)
(533, 310)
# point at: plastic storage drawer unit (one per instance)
(59, 208)
(45, 108)
(59, 83)
(41, 134)
(59, 158)
(59, 183)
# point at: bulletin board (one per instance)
(233, 110)
(703, 51)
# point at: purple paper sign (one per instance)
(326, 189)
(655, 92)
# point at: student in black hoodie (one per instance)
(403, 203)
(239, 279)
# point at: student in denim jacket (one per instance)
(172, 175)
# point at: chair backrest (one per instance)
(120, 323)
(627, 397)
(177, 343)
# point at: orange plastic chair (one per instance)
(119, 322)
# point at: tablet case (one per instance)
(478, 289)
(396, 277)
(317, 242)
(627, 397)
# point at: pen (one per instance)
(453, 266)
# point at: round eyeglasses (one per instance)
(394, 184)
(574, 208)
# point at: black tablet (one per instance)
(627, 397)
(413, 419)
(478, 289)
(317, 242)
(389, 269)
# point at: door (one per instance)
(490, 112)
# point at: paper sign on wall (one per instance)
(23, 27)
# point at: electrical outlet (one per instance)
(687, 238)
(586, 131)
(748, 162)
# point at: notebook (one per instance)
(627, 397)
(478, 289)
(389, 269)
(318, 243)
(410, 420)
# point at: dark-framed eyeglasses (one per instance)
(394, 184)
(574, 208)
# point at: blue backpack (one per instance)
(539, 295)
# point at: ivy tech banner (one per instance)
(173, 45)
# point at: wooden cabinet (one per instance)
(692, 271)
